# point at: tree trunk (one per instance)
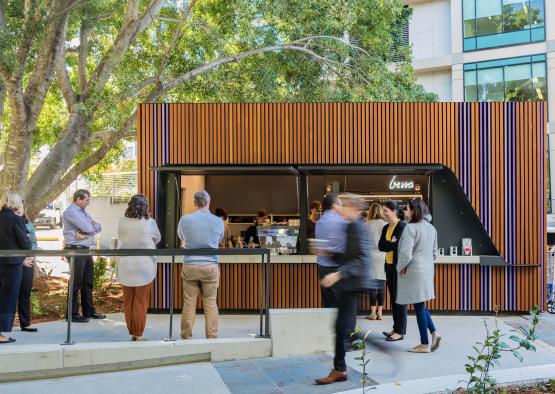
(75, 136)
(18, 150)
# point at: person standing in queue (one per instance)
(331, 228)
(252, 232)
(200, 274)
(13, 236)
(351, 278)
(80, 231)
(315, 209)
(391, 233)
(375, 225)
(24, 299)
(416, 267)
(222, 213)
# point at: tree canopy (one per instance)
(73, 71)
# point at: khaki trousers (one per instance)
(203, 280)
(135, 304)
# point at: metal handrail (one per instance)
(264, 311)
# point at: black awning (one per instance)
(369, 169)
(231, 169)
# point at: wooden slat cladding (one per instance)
(496, 150)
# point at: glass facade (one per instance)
(515, 79)
(493, 23)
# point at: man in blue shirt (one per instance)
(80, 232)
(331, 227)
(200, 274)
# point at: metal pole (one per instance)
(268, 287)
(69, 341)
(261, 295)
(170, 334)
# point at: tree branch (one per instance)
(170, 84)
(42, 73)
(62, 75)
(176, 36)
(83, 52)
(29, 32)
(132, 27)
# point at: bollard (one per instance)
(69, 314)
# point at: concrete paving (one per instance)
(545, 328)
(113, 329)
(390, 362)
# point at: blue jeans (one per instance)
(424, 321)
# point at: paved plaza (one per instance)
(390, 363)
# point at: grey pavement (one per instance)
(545, 328)
(390, 363)
(113, 329)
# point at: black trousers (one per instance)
(10, 280)
(377, 293)
(399, 311)
(344, 325)
(329, 299)
(24, 300)
(83, 284)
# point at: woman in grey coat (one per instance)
(415, 266)
(375, 225)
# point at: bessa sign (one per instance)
(395, 184)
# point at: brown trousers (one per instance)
(135, 304)
(203, 279)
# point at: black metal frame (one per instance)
(70, 254)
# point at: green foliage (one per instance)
(363, 359)
(488, 353)
(216, 29)
(36, 309)
(100, 275)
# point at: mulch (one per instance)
(50, 293)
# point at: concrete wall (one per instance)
(438, 82)
(108, 215)
(430, 30)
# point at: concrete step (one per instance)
(27, 362)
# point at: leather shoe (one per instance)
(79, 319)
(334, 376)
(97, 316)
(29, 329)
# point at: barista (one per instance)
(252, 231)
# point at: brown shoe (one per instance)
(334, 376)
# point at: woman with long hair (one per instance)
(137, 230)
(416, 266)
(375, 225)
(391, 233)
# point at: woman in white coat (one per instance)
(137, 230)
(415, 266)
(377, 260)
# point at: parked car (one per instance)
(51, 216)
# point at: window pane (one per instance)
(488, 17)
(537, 13)
(518, 83)
(485, 8)
(515, 15)
(470, 88)
(490, 85)
(539, 81)
(469, 11)
(470, 28)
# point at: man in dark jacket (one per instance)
(352, 277)
(13, 236)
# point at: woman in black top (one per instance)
(13, 236)
(389, 242)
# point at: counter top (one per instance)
(304, 259)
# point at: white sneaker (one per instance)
(420, 349)
(436, 339)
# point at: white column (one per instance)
(457, 79)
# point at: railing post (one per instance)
(69, 314)
(268, 287)
(170, 334)
(261, 295)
